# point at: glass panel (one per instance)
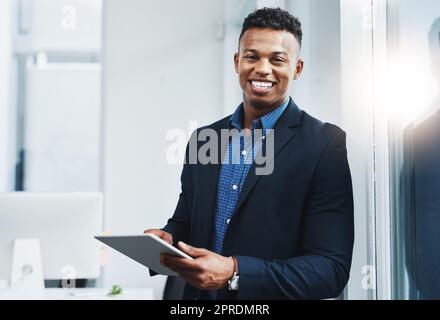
(414, 61)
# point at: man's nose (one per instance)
(263, 67)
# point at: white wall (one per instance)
(161, 68)
(318, 90)
(234, 12)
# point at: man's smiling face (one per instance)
(267, 63)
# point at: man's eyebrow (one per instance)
(280, 52)
(273, 53)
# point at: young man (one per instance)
(283, 235)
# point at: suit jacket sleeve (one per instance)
(322, 270)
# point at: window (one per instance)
(414, 136)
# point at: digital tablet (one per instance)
(145, 249)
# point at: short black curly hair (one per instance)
(273, 18)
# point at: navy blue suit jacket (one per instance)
(292, 231)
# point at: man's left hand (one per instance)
(207, 271)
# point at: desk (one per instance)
(86, 294)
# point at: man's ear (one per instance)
(236, 61)
(298, 68)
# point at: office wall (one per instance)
(162, 67)
(318, 90)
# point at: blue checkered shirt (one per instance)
(236, 164)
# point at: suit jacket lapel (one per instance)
(284, 131)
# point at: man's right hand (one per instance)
(161, 234)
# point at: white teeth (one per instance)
(261, 84)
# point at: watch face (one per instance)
(233, 283)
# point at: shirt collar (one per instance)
(266, 122)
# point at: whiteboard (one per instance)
(62, 127)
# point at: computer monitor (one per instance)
(65, 224)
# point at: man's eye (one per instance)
(251, 57)
(279, 60)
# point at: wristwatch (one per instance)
(233, 282)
